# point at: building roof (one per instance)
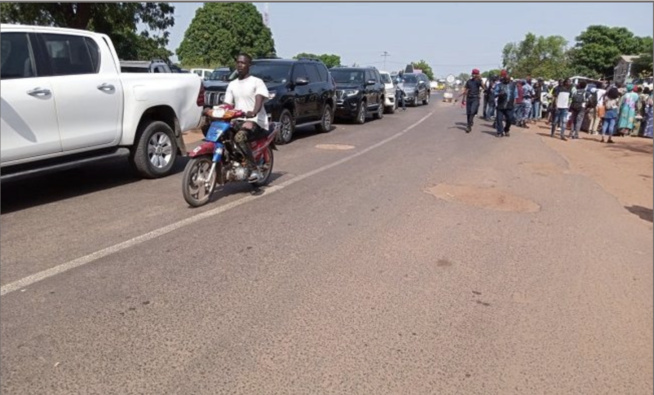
(629, 58)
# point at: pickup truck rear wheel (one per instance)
(156, 151)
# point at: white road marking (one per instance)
(64, 267)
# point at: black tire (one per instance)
(287, 128)
(361, 113)
(380, 110)
(427, 96)
(415, 101)
(195, 194)
(266, 170)
(325, 124)
(155, 152)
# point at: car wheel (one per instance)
(415, 101)
(426, 101)
(380, 110)
(287, 127)
(155, 153)
(361, 114)
(325, 124)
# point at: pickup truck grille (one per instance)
(213, 98)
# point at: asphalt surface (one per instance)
(403, 256)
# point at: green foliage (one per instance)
(463, 77)
(495, 72)
(118, 20)
(599, 47)
(330, 60)
(540, 56)
(642, 66)
(422, 65)
(219, 31)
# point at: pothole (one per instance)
(337, 147)
(542, 169)
(488, 198)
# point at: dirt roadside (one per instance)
(624, 169)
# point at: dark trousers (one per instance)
(472, 107)
(504, 115)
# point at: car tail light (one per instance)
(200, 101)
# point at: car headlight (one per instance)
(350, 92)
(271, 95)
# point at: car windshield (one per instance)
(410, 79)
(386, 79)
(271, 72)
(219, 75)
(347, 76)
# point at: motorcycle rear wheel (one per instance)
(266, 170)
(195, 188)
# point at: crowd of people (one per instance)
(605, 109)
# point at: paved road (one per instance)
(420, 260)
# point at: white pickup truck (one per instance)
(64, 103)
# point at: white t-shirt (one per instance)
(600, 96)
(242, 94)
(562, 99)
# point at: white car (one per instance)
(390, 104)
(202, 73)
(66, 103)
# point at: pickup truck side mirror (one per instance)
(299, 81)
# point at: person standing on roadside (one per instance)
(561, 104)
(506, 93)
(472, 95)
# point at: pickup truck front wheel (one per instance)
(156, 151)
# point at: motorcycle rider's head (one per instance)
(243, 62)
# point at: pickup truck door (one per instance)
(27, 111)
(88, 90)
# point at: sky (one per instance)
(451, 37)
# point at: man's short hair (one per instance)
(245, 55)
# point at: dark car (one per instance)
(359, 92)
(417, 89)
(302, 93)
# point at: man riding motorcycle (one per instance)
(248, 93)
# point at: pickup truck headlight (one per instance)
(350, 92)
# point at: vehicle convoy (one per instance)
(65, 103)
(302, 93)
(218, 160)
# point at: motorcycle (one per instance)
(218, 159)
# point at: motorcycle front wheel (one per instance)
(196, 185)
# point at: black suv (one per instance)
(302, 93)
(359, 92)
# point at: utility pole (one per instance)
(385, 55)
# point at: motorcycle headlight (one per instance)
(350, 92)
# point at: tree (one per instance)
(463, 77)
(540, 56)
(495, 72)
(118, 20)
(642, 66)
(422, 65)
(329, 60)
(220, 31)
(598, 48)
